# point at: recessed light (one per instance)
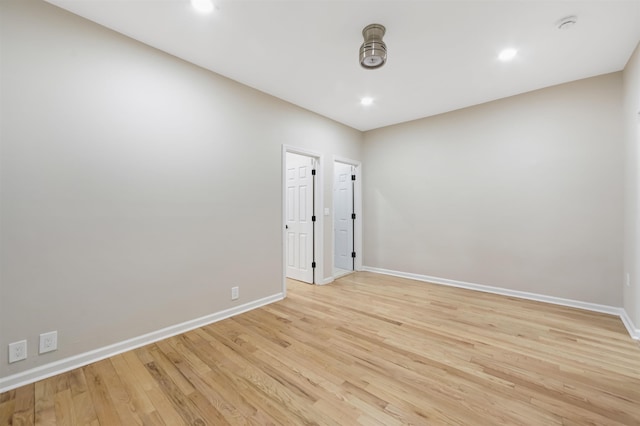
(203, 6)
(508, 54)
(366, 101)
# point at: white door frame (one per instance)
(319, 208)
(357, 226)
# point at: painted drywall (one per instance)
(631, 83)
(136, 188)
(523, 193)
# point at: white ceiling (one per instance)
(442, 54)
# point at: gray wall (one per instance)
(136, 188)
(631, 78)
(524, 193)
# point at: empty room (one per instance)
(319, 212)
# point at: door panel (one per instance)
(342, 221)
(299, 206)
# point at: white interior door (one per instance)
(299, 212)
(342, 219)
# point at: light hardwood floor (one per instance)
(368, 349)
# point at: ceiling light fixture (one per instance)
(203, 6)
(366, 101)
(373, 52)
(508, 54)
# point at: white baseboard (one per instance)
(620, 312)
(63, 365)
(631, 328)
(326, 281)
(344, 274)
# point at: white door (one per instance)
(342, 219)
(299, 226)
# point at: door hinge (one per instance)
(353, 216)
(313, 172)
(353, 177)
(313, 218)
(353, 254)
(313, 264)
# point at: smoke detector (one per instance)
(567, 22)
(373, 52)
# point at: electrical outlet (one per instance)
(48, 342)
(235, 293)
(628, 280)
(17, 351)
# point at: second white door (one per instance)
(342, 217)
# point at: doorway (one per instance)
(301, 222)
(346, 217)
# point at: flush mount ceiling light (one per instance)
(373, 52)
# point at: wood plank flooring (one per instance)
(366, 350)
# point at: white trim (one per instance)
(631, 328)
(612, 310)
(76, 361)
(319, 200)
(327, 281)
(342, 274)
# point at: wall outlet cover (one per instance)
(48, 342)
(17, 351)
